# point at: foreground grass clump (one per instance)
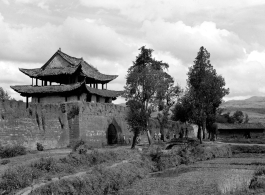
(101, 180)
(164, 159)
(106, 172)
(18, 177)
(236, 149)
(12, 151)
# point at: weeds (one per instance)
(40, 147)
(12, 151)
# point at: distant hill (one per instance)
(253, 106)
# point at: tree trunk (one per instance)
(134, 140)
(204, 129)
(209, 134)
(149, 137)
(162, 133)
(199, 133)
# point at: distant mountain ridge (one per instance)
(253, 106)
(252, 102)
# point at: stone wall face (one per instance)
(95, 119)
(59, 125)
(38, 123)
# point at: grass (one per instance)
(243, 140)
(108, 171)
(100, 181)
(247, 149)
(14, 177)
(12, 151)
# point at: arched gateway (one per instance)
(112, 135)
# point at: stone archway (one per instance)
(112, 135)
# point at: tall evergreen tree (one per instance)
(205, 90)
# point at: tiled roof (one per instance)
(66, 64)
(104, 92)
(240, 126)
(30, 90)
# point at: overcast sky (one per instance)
(108, 34)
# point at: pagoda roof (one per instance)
(63, 64)
(28, 90)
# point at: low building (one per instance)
(65, 78)
(242, 130)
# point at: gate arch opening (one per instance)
(112, 135)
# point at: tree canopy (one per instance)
(4, 95)
(147, 85)
(204, 93)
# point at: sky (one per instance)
(109, 33)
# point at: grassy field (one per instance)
(147, 171)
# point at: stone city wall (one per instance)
(59, 125)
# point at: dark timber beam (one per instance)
(27, 102)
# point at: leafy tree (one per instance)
(167, 96)
(238, 116)
(4, 95)
(246, 118)
(205, 90)
(143, 83)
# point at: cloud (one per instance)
(76, 36)
(244, 77)
(6, 2)
(146, 10)
(184, 41)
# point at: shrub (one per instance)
(40, 147)
(247, 149)
(50, 165)
(12, 151)
(77, 144)
(5, 161)
(18, 177)
(100, 181)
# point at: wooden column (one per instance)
(106, 85)
(27, 102)
(32, 81)
(37, 82)
(41, 82)
(102, 86)
(50, 83)
(90, 84)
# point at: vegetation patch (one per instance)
(101, 180)
(18, 177)
(236, 149)
(12, 151)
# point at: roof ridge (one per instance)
(62, 54)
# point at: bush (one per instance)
(77, 144)
(40, 147)
(51, 165)
(247, 149)
(18, 177)
(100, 181)
(5, 161)
(12, 151)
